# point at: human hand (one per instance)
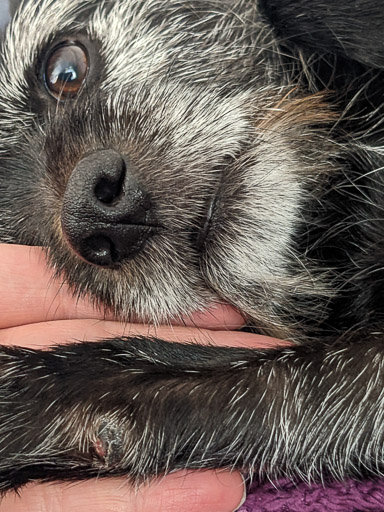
(37, 311)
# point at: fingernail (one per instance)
(244, 497)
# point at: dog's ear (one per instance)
(351, 29)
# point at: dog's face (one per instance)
(198, 162)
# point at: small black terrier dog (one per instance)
(175, 154)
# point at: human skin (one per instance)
(38, 311)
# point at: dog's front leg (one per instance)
(142, 407)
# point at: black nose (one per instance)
(106, 216)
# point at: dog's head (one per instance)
(161, 153)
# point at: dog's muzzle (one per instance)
(106, 215)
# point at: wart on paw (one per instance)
(107, 448)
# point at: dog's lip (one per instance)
(203, 234)
(217, 317)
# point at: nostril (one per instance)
(99, 250)
(109, 188)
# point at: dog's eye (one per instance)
(66, 71)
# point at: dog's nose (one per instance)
(106, 215)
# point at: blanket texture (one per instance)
(284, 496)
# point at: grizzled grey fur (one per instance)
(255, 128)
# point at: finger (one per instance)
(31, 293)
(40, 335)
(199, 491)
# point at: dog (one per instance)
(172, 155)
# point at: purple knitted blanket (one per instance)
(348, 496)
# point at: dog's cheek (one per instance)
(253, 247)
(253, 228)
